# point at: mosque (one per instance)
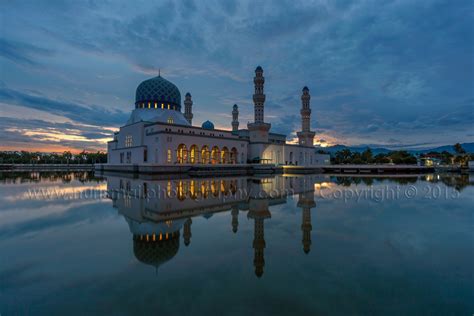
(159, 134)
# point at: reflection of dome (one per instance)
(207, 215)
(159, 90)
(156, 252)
(208, 125)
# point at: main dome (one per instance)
(158, 90)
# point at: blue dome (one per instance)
(207, 125)
(159, 90)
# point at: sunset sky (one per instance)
(386, 73)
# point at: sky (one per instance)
(398, 74)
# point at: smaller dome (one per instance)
(235, 106)
(258, 69)
(188, 94)
(208, 125)
(305, 88)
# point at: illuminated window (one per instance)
(168, 189)
(168, 156)
(181, 191)
(168, 106)
(170, 120)
(149, 105)
(128, 141)
(162, 105)
(156, 105)
(192, 189)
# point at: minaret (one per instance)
(188, 108)
(258, 96)
(258, 130)
(306, 202)
(235, 119)
(187, 232)
(235, 218)
(306, 136)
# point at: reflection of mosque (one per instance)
(157, 210)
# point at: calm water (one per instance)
(84, 244)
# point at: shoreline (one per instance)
(229, 169)
(252, 169)
(46, 167)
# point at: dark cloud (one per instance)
(22, 53)
(377, 70)
(46, 133)
(92, 114)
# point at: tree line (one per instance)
(26, 157)
(400, 157)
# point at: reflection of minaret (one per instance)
(235, 218)
(187, 232)
(306, 202)
(258, 210)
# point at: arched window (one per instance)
(193, 154)
(214, 188)
(205, 189)
(215, 155)
(170, 120)
(193, 189)
(182, 154)
(233, 155)
(205, 154)
(181, 190)
(168, 156)
(168, 189)
(225, 155)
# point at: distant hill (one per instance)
(469, 147)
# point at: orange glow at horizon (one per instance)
(56, 136)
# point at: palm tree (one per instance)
(458, 149)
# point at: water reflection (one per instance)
(396, 255)
(158, 210)
(8, 177)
